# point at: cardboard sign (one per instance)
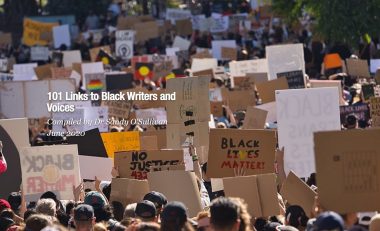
(191, 100)
(176, 134)
(173, 14)
(203, 64)
(124, 44)
(355, 177)
(328, 83)
(157, 114)
(50, 168)
(358, 67)
(196, 21)
(296, 79)
(217, 46)
(136, 164)
(71, 57)
(77, 115)
(23, 72)
(118, 109)
(120, 141)
(259, 192)
(14, 135)
(159, 134)
(253, 150)
(39, 53)
(239, 100)
(128, 191)
(331, 61)
(229, 53)
(91, 68)
(61, 35)
(374, 65)
(37, 33)
(94, 52)
(375, 111)
(91, 167)
(95, 82)
(243, 83)
(258, 77)
(6, 38)
(267, 89)
(297, 192)
(361, 111)
(44, 71)
(99, 116)
(177, 186)
(255, 118)
(181, 43)
(279, 60)
(184, 27)
(241, 68)
(300, 112)
(148, 143)
(218, 23)
(6, 77)
(146, 31)
(216, 109)
(368, 91)
(61, 72)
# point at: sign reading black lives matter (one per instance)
(124, 43)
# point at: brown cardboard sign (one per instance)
(358, 67)
(128, 191)
(259, 77)
(176, 134)
(229, 53)
(136, 164)
(348, 172)
(118, 109)
(146, 30)
(202, 55)
(216, 108)
(148, 142)
(238, 100)
(61, 72)
(253, 150)
(375, 111)
(208, 72)
(5, 38)
(267, 89)
(161, 137)
(184, 27)
(177, 186)
(297, 192)
(259, 192)
(255, 118)
(44, 71)
(244, 83)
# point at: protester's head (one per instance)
(14, 200)
(37, 222)
(118, 210)
(203, 219)
(5, 223)
(327, 221)
(4, 205)
(146, 211)
(46, 206)
(51, 195)
(84, 218)
(158, 199)
(95, 199)
(295, 216)
(224, 214)
(147, 226)
(245, 218)
(375, 223)
(129, 211)
(351, 121)
(174, 217)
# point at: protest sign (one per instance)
(297, 192)
(171, 51)
(217, 23)
(71, 57)
(136, 164)
(119, 81)
(6, 77)
(148, 143)
(258, 77)
(241, 68)
(95, 82)
(296, 79)
(181, 43)
(348, 171)
(331, 61)
(358, 68)
(37, 33)
(176, 134)
(238, 100)
(5, 38)
(146, 31)
(39, 53)
(215, 95)
(177, 14)
(267, 89)
(14, 135)
(61, 72)
(118, 109)
(94, 52)
(252, 150)
(91, 167)
(375, 111)
(300, 112)
(203, 64)
(328, 83)
(255, 118)
(217, 46)
(124, 43)
(44, 71)
(184, 27)
(368, 91)
(229, 53)
(49, 168)
(128, 191)
(90, 68)
(243, 83)
(177, 186)
(158, 114)
(374, 65)
(98, 117)
(216, 109)
(120, 141)
(4, 65)
(259, 192)
(271, 109)
(76, 115)
(23, 72)
(196, 21)
(61, 35)
(159, 134)
(90, 144)
(279, 60)
(361, 111)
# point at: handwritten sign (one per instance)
(375, 111)
(253, 150)
(241, 68)
(124, 43)
(37, 33)
(295, 79)
(120, 141)
(361, 111)
(136, 164)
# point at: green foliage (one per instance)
(338, 21)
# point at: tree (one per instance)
(337, 21)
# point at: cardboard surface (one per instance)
(159, 134)
(44, 71)
(253, 150)
(136, 164)
(259, 192)
(184, 27)
(297, 192)
(177, 186)
(267, 89)
(176, 134)
(300, 112)
(229, 53)
(358, 67)
(375, 111)
(255, 118)
(328, 83)
(356, 177)
(238, 100)
(128, 191)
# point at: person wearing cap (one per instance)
(146, 211)
(327, 221)
(84, 218)
(3, 162)
(174, 217)
(158, 199)
(102, 209)
(224, 215)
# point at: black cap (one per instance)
(157, 198)
(145, 209)
(83, 212)
(174, 212)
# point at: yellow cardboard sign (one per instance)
(37, 33)
(120, 141)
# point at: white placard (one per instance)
(39, 53)
(4, 65)
(177, 14)
(91, 68)
(124, 43)
(23, 72)
(97, 117)
(181, 43)
(284, 58)
(300, 113)
(196, 21)
(70, 57)
(215, 95)
(171, 51)
(61, 35)
(217, 47)
(158, 114)
(203, 64)
(219, 23)
(91, 167)
(374, 65)
(241, 68)
(69, 122)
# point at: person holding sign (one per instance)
(3, 162)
